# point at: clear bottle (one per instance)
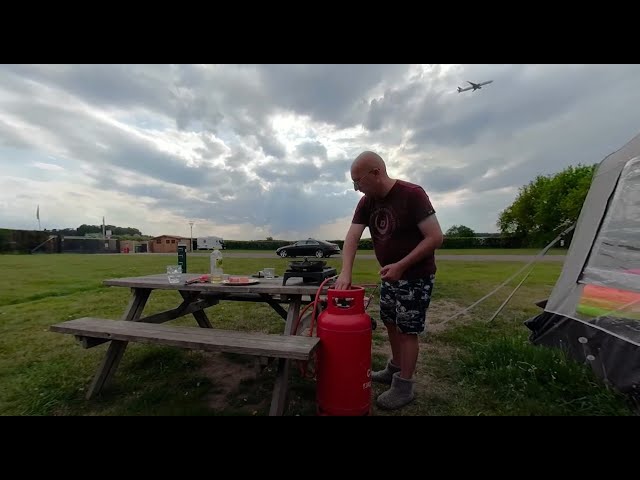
(216, 266)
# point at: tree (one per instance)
(546, 205)
(67, 232)
(83, 229)
(117, 231)
(460, 231)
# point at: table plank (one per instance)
(271, 286)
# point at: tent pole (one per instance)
(539, 255)
(511, 294)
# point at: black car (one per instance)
(309, 247)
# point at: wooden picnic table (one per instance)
(197, 297)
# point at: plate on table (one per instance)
(239, 284)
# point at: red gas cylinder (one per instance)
(343, 365)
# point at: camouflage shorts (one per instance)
(404, 303)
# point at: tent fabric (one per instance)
(593, 311)
(614, 360)
(615, 258)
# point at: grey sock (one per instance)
(400, 394)
(385, 376)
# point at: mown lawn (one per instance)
(466, 367)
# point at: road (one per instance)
(439, 256)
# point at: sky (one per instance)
(247, 152)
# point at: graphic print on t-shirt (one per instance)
(384, 222)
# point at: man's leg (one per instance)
(412, 301)
(388, 315)
(395, 342)
(409, 349)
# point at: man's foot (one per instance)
(400, 394)
(385, 376)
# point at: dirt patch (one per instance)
(440, 313)
(428, 349)
(225, 375)
(433, 385)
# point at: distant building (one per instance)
(134, 246)
(75, 244)
(166, 243)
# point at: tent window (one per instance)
(615, 257)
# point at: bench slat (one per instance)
(196, 338)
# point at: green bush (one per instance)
(481, 242)
(255, 244)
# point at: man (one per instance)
(405, 234)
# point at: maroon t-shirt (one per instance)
(393, 223)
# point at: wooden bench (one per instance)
(195, 338)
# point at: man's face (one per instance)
(363, 179)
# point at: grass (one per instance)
(524, 380)
(466, 367)
(500, 251)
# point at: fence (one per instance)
(35, 241)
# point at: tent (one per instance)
(593, 311)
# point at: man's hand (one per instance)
(432, 240)
(343, 282)
(391, 272)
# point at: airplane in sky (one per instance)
(474, 86)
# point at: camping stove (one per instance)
(309, 276)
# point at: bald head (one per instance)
(369, 174)
(367, 161)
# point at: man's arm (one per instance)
(433, 238)
(349, 248)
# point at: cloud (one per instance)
(314, 149)
(47, 166)
(249, 151)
